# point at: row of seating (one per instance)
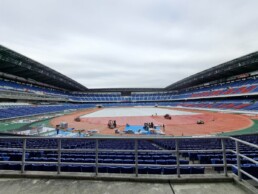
(229, 161)
(105, 169)
(83, 144)
(113, 161)
(207, 159)
(251, 169)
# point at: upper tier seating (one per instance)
(247, 86)
(22, 110)
(244, 105)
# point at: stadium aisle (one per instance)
(58, 186)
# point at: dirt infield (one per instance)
(179, 125)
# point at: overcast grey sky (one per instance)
(129, 43)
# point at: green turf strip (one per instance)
(6, 126)
(45, 123)
(250, 130)
(9, 126)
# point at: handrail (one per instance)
(152, 137)
(244, 142)
(177, 151)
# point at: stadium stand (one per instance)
(240, 87)
(22, 111)
(150, 162)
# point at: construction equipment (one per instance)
(112, 124)
(167, 116)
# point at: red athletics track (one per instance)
(179, 125)
(157, 120)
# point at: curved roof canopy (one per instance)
(13, 63)
(237, 66)
(126, 90)
(16, 64)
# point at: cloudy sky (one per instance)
(129, 43)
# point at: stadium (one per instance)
(202, 128)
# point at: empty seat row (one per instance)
(114, 161)
(105, 169)
(251, 169)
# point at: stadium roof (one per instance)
(13, 63)
(16, 64)
(126, 90)
(237, 66)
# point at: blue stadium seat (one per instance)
(197, 170)
(185, 170)
(113, 169)
(3, 166)
(50, 167)
(128, 161)
(14, 166)
(85, 168)
(37, 167)
(64, 168)
(169, 170)
(183, 161)
(162, 162)
(102, 169)
(74, 168)
(127, 169)
(148, 162)
(142, 170)
(117, 161)
(154, 170)
(108, 161)
(171, 162)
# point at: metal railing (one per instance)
(239, 156)
(176, 152)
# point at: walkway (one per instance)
(59, 186)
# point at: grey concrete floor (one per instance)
(207, 188)
(60, 186)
